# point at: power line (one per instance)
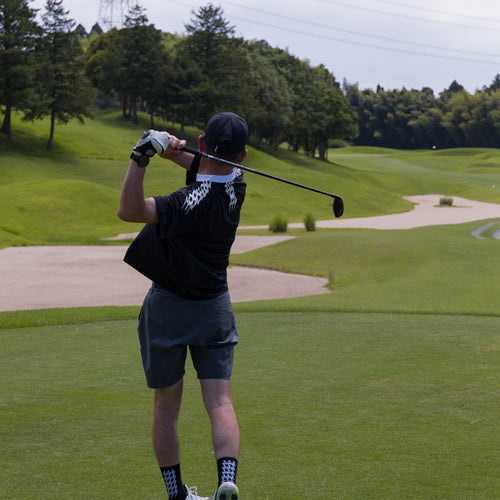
(406, 16)
(358, 43)
(359, 33)
(371, 46)
(443, 12)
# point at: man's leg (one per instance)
(166, 413)
(166, 439)
(225, 435)
(219, 405)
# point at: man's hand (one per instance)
(174, 148)
(152, 142)
(163, 143)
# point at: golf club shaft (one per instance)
(248, 169)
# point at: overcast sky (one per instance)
(392, 43)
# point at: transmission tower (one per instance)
(112, 13)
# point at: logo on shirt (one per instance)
(232, 196)
(196, 196)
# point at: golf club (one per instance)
(338, 203)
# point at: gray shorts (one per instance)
(169, 324)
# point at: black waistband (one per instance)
(189, 294)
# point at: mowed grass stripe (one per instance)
(344, 404)
(431, 269)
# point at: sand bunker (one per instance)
(75, 276)
(427, 212)
(78, 276)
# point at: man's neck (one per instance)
(211, 167)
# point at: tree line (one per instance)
(415, 119)
(41, 66)
(54, 69)
(189, 78)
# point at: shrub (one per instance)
(446, 202)
(338, 143)
(278, 225)
(310, 222)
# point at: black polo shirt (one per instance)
(187, 252)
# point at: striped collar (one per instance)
(223, 179)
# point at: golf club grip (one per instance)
(190, 150)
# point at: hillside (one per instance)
(70, 195)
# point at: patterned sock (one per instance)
(173, 482)
(227, 468)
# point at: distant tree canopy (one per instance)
(49, 83)
(417, 119)
(188, 78)
(62, 92)
(18, 35)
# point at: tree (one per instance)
(221, 63)
(270, 109)
(129, 63)
(142, 58)
(18, 34)
(474, 120)
(458, 114)
(209, 32)
(495, 85)
(334, 116)
(320, 112)
(158, 93)
(96, 30)
(100, 68)
(399, 118)
(81, 31)
(305, 91)
(63, 93)
(446, 94)
(180, 101)
(340, 121)
(136, 17)
(455, 87)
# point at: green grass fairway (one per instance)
(430, 269)
(336, 405)
(387, 388)
(71, 195)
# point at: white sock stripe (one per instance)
(228, 471)
(170, 482)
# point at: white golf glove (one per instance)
(152, 142)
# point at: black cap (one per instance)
(226, 133)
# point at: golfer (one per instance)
(184, 249)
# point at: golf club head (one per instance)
(338, 206)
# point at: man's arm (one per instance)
(133, 206)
